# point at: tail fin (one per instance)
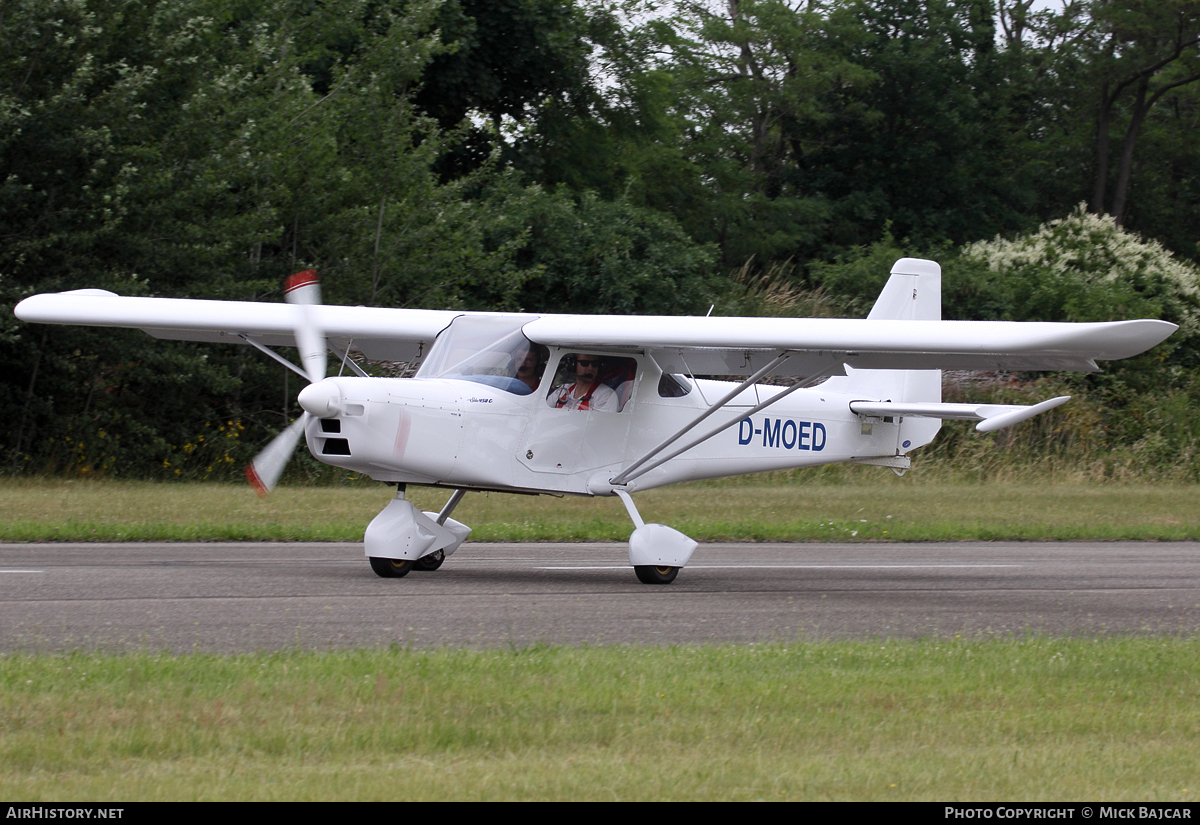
(912, 293)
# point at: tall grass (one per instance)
(1106, 434)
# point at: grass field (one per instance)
(877, 506)
(1016, 719)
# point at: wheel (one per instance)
(650, 574)
(391, 568)
(431, 562)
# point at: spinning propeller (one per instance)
(303, 290)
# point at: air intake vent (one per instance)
(336, 446)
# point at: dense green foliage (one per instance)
(581, 156)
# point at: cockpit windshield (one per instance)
(487, 350)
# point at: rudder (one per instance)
(912, 293)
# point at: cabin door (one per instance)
(581, 419)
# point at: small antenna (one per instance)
(710, 309)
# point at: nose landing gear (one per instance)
(431, 562)
(653, 574)
(391, 568)
(402, 538)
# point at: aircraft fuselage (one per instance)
(463, 434)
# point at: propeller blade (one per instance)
(304, 291)
(303, 288)
(264, 471)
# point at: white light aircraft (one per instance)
(608, 405)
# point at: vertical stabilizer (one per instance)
(912, 293)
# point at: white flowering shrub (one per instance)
(1138, 419)
(1086, 268)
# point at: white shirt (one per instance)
(602, 398)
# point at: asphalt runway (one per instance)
(246, 597)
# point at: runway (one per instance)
(248, 597)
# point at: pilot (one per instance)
(588, 392)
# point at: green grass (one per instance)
(963, 719)
(877, 506)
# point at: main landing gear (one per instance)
(657, 552)
(399, 568)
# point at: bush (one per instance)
(1086, 268)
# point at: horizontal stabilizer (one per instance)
(991, 417)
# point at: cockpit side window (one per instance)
(487, 350)
(588, 381)
(673, 386)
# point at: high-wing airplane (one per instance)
(608, 405)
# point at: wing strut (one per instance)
(641, 467)
(627, 473)
(347, 360)
(274, 355)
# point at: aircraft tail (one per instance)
(912, 293)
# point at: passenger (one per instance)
(588, 392)
(530, 364)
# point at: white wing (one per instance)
(706, 346)
(380, 334)
(867, 344)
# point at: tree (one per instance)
(753, 82)
(807, 127)
(1107, 67)
(1144, 51)
(509, 66)
(587, 255)
(183, 147)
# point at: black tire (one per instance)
(650, 574)
(391, 568)
(431, 562)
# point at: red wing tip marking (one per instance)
(256, 482)
(303, 278)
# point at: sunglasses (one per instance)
(583, 362)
